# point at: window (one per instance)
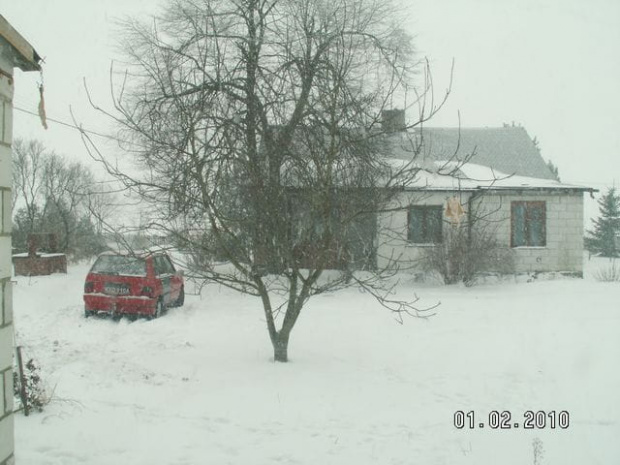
(123, 265)
(528, 224)
(425, 224)
(162, 265)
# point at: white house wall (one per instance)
(563, 251)
(6, 313)
(392, 245)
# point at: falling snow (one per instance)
(197, 386)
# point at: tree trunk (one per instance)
(280, 348)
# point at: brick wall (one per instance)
(41, 265)
(563, 251)
(6, 311)
(392, 242)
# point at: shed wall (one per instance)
(563, 251)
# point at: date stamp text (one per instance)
(530, 419)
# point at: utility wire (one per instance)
(69, 125)
(88, 131)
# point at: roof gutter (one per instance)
(505, 188)
(538, 188)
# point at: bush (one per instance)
(463, 257)
(611, 274)
(36, 397)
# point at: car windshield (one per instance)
(120, 265)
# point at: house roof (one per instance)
(442, 159)
(474, 158)
(16, 48)
(507, 149)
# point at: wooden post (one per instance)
(22, 380)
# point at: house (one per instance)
(15, 52)
(352, 199)
(426, 184)
(495, 176)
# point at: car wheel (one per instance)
(159, 309)
(89, 313)
(181, 299)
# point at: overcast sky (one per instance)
(552, 66)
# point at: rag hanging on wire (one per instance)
(42, 105)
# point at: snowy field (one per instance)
(198, 387)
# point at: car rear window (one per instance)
(122, 265)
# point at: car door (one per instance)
(176, 280)
(162, 273)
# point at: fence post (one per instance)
(22, 381)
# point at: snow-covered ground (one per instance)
(197, 386)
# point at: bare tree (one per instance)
(258, 127)
(65, 187)
(56, 195)
(28, 157)
(102, 204)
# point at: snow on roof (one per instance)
(141, 253)
(449, 175)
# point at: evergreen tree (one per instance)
(603, 239)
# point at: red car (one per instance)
(138, 284)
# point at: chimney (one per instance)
(393, 120)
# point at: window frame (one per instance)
(529, 208)
(428, 237)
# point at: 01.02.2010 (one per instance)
(504, 420)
